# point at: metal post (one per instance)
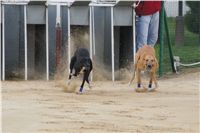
(199, 22)
(58, 42)
(69, 40)
(179, 32)
(47, 45)
(93, 31)
(0, 43)
(3, 41)
(25, 40)
(58, 14)
(134, 37)
(169, 43)
(180, 8)
(112, 45)
(91, 37)
(58, 49)
(161, 40)
(0, 71)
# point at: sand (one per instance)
(41, 107)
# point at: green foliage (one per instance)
(187, 53)
(189, 37)
(192, 18)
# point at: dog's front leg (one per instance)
(72, 62)
(138, 73)
(83, 82)
(152, 78)
(69, 79)
(150, 81)
(155, 81)
(139, 82)
(87, 80)
(70, 76)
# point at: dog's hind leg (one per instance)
(133, 77)
(137, 57)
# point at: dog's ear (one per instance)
(72, 62)
(156, 63)
(137, 58)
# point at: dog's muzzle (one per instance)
(148, 66)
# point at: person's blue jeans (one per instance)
(147, 30)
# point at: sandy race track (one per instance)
(41, 107)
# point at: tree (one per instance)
(192, 18)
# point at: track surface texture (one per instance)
(41, 107)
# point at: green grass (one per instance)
(189, 52)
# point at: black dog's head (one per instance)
(85, 64)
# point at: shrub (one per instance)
(192, 17)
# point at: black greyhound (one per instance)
(81, 62)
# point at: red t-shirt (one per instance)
(148, 7)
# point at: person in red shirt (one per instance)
(147, 22)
